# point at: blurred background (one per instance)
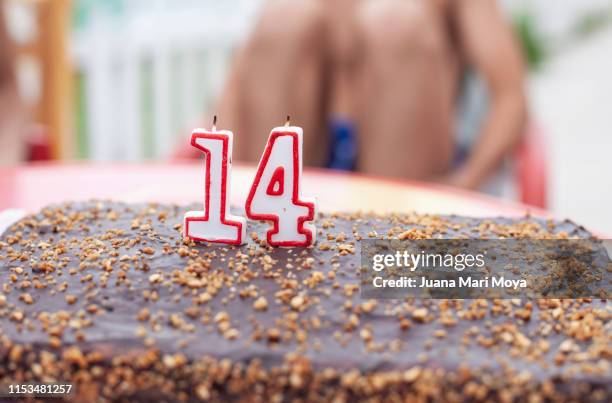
(126, 80)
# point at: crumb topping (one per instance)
(110, 287)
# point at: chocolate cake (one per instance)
(111, 298)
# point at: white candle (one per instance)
(215, 223)
(276, 193)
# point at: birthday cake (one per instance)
(112, 299)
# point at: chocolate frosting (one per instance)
(115, 277)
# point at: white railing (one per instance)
(153, 71)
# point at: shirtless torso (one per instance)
(406, 80)
(392, 67)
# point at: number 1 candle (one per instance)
(275, 194)
(215, 223)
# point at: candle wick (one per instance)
(288, 121)
(214, 127)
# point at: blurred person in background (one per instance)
(12, 116)
(375, 85)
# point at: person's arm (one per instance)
(491, 47)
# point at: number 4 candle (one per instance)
(275, 193)
(215, 223)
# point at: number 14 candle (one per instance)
(274, 195)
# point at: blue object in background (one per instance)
(343, 150)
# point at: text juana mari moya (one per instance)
(458, 262)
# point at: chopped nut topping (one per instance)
(75, 273)
(420, 315)
(260, 304)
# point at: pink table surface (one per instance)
(33, 186)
